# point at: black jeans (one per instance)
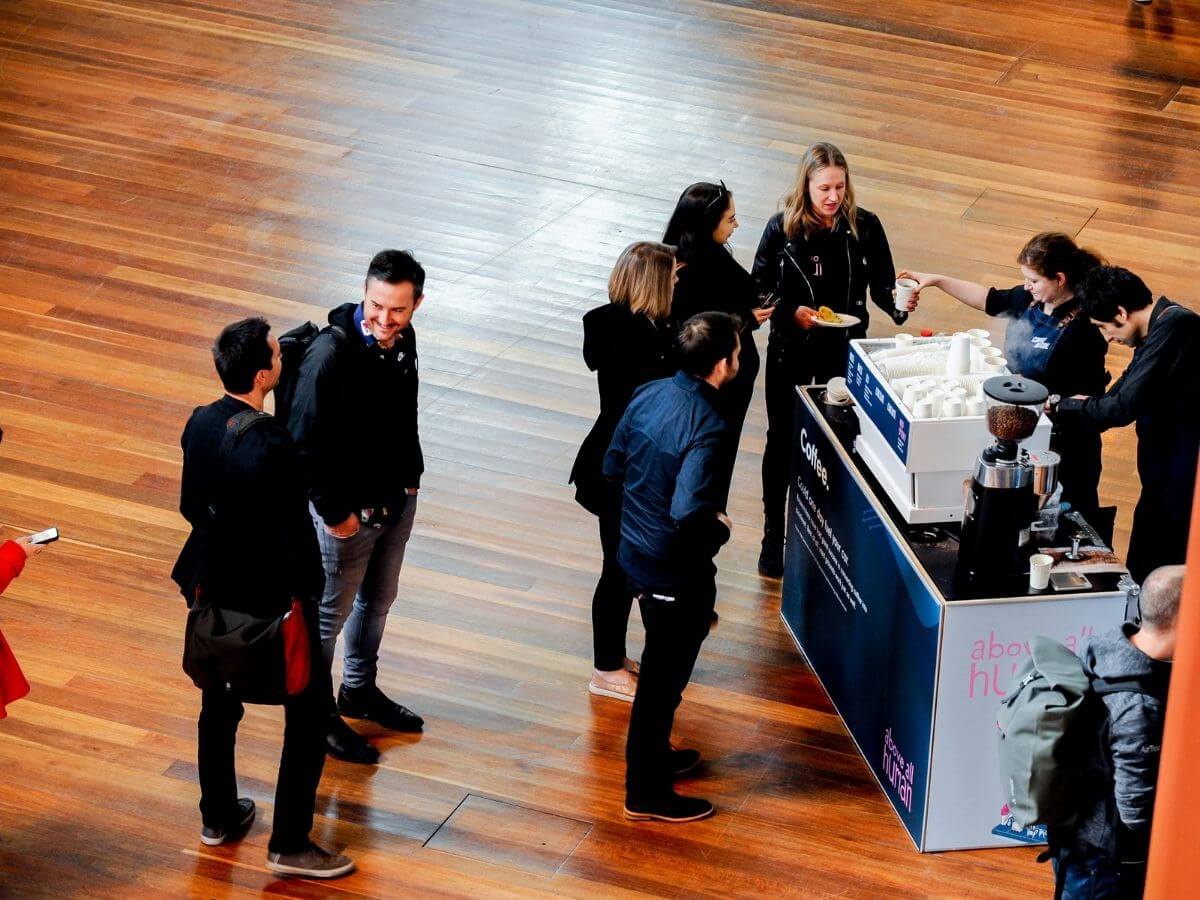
(675, 629)
(613, 598)
(1080, 467)
(300, 765)
(810, 361)
(733, 403)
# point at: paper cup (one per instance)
(952, 408)
(903, 340)
(922, 409)
(990, 352)
(1039, 571)
(979, 333)
(904, 291)
(976, 406)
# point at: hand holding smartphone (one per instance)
(49, 536)
(33, 544)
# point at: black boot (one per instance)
(770, 560)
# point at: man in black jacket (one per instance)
(1160, 390)
(252, 549)
(1103, 854)
(666, 457)
(354, 418)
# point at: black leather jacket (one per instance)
(790, 268)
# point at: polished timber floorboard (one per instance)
(168, 167)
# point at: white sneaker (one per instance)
(617, 688)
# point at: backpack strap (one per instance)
(235, 427)
(1150, 685)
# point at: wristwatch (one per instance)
(1053, 400)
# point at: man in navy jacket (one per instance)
(665, 455)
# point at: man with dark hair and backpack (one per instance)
(353, 414)
(1103, 853)
(252, 550)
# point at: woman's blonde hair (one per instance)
(798, 213)
(644, 279)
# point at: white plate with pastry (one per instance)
(827, 318)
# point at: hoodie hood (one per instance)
(343, 317)
(1112, 656)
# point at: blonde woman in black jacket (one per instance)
(627, 342)
(821, 250)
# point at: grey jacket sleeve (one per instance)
(1136, 748)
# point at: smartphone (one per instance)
(49, 536)
(1070, 581)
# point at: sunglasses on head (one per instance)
(721, 192)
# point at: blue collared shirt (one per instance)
(363, 330)
(665, 452)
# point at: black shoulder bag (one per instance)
(261, 660)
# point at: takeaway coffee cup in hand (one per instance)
(1039, 571)
(904, 292)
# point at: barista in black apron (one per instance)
(1063, 351)
(1056, 347)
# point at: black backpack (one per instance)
(292, 347)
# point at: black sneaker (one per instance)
(311, 863)
(670, 808)
(680, 762)
(344, 743)
(216, 835)
(372, 704)
(770, 560)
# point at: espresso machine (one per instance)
(1001, 502)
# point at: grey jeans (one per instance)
(362, 575)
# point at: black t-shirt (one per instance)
(1076, 365)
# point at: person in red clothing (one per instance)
(13, 685)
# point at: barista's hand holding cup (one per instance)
(1039, 571)
(906, 294)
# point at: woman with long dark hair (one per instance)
(627, 342)
(704, 219)
(1051, 341)
(821, 250)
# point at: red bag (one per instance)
(13, 685)
(296, 650)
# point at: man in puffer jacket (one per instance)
(1104, 853)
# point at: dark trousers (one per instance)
(733, 403)
(674, 632)
(1079, 470)
(300, 765)
(810, 361)
(1093, 876)
(1161, 521)
(613, 598)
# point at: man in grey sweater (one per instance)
(1104, 853)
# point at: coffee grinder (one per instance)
(1000, 502)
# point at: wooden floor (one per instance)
(168, 167)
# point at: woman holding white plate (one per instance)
(822, 250)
